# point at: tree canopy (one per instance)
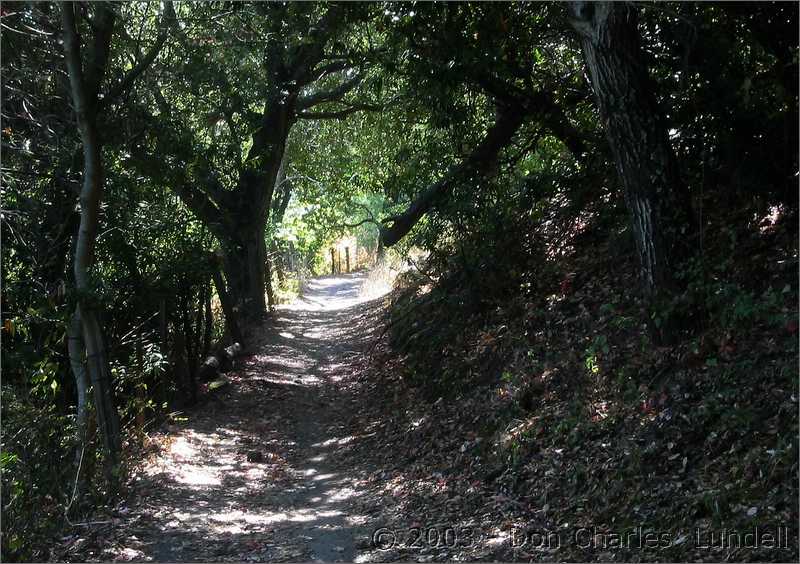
(172, 171)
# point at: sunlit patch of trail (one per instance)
(256, 473)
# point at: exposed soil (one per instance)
(257, 472)
(319, 448)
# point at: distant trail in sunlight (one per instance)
(330, 293)
(257, 472)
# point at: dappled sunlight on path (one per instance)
(329, 293)
(255, 472)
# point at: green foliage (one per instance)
(492, 272)
(36, 468)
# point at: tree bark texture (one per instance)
(76, 348)
(637, 135)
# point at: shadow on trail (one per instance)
(256, 472)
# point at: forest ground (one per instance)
(318, 449)
(257, 471)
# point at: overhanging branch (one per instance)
(539, 104)
(329, 95)
(360, 223)
(498, 137)
(338, 114)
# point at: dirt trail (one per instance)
(257, 472)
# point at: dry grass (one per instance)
(380, 279)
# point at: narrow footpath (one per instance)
(255, 473)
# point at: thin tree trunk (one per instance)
(162, 325)
(188, 350)
(280, 269)
(76, 349)
(380, 251)
(140, 389)
(197, 332)
(228, 308)
(91, 195)
(278, 258)
(268, 282)
(181, 370)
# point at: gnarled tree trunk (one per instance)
(239, 214)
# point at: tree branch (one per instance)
(498, 136)
(329, 68)
(360, 223)
(200, 203)
(164, 27)
(540, 104)
(338, 114)
(332, 95)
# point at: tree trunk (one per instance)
(196, 307)
(645, 162)
(188, 349)
(244, 263)
(84, 99)
(180, 367)
(75, 348)
(162, 325)
(380, 251)
(239, 214)
(103, 393)
(280, 269)
(141, 396)
(231, 319)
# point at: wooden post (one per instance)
(163, 335)
(140, 395)
(178, 360)
(347, 257)
(333, 261)
(208, 321)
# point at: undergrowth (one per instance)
(578, 415)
